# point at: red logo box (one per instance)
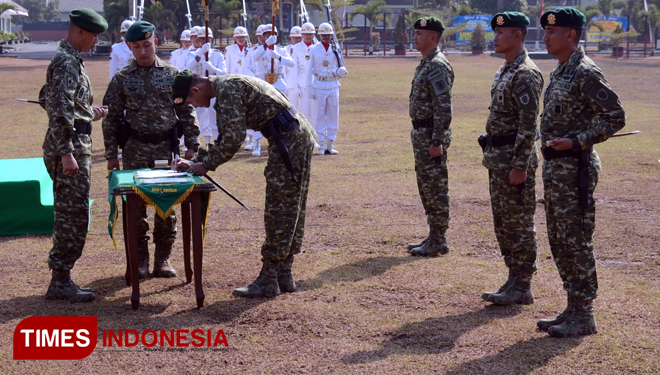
(55, 337)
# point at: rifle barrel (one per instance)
(226, 192)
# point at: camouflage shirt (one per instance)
(514, 108)
(579, 103)
(430, 96)
(68, 97)
(142, 96)
(242, 103)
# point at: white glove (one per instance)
(271, 40)
(341, 72)
(208, 66)
(272, 54)
(205, 48)
(311, 93)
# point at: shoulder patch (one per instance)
(600, 92)
(438, 80)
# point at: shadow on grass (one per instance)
(520, 358)
(355, 271)
(433, 335)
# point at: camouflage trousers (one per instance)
(513, 218)
(432, 181)
(71, 204)
(571, 227)
(164, 230)
(286, 200)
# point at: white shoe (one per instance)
(330, 150)
(257, 149)
(316, 145)
(119, 156)
(249, 143)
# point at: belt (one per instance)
(155, 138)
(426, 123)
(501, 140)
(325, 78)
(550, 153)
(82, 127)
(284, 121)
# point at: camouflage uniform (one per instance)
(243, 103)
(141, 96)
(430, 100)
(68, 98)
(514, 108)
(578, 103)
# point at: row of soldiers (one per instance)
(580, 109)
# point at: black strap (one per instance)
(284, 121)
(155, 138)
(550, 153)
(426, 123)
(82, 127)
(502, 140)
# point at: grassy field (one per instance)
(364, 306)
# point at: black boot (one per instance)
(285, 277)
(545, 324)
(265, 285)
(162, 267)
(580, 323)
(502, 288)
(62, 288)
(519, 291)
(143, 258)
(434, 246)
(414, 245)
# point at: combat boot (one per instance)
(265, 285)
(434, 246)
(162, 267)
(502, 288)
(285, 277)
(414, 245)
(519, 292)
(62, 288)
(330, 149)
(545, 324)
(143, 258)
(581, 321)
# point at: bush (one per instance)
(478, 36)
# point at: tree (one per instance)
(478, 38)
(399, 32)
(492, 7)
(38, 11)
(605, 7)
(5, 7)
(116, 11)
(161, 18)
(373, 11)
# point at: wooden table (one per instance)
(191, 212)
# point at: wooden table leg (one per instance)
(197, 246)
(131, 222)
(185, 214)
(127, 275)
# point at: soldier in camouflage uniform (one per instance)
(249, 103)
(511, 157)
(67, 97)
(580, 110)
(139, 96)
(430, 111)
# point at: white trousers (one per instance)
(307, 106)
(294, 96)
(207, 121)
(327, 113)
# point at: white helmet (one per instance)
(295, 31)
(325, 29)
(260, 29)
(185, 35)
(199, 30)
(240, 31)
(202, 33)
(269, 29)
(125, 25)
(308, 28)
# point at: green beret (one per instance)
(430, 23)
(88, 20)
(509, 19)
(140, 30)
(564, 17)
(181, 86)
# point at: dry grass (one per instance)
(364, 306)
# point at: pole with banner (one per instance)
(205, 4)
(272, 76)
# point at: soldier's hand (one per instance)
(198, 169)
(341, 72)
(560, 144)
(100, 112)
(190, 153)
(181, 165)
(435, 151)
(272, 54)
(113, 164)
(517, 176)
(271, 40)
(69, 165)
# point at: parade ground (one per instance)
(364, 306)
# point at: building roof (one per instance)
(17, 7)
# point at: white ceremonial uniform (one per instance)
(207, 116)
(322, 80)
(261, 65)
(120, 56)
(236, 59)
(300, 57)
(292, 91)
(179, 57)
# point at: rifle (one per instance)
(140, 10)
(245, 23)
(133, 17)
(205, 4)
(189, 15)
(336, 49)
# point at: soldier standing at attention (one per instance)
(139, 96)
(290, 76)
(300, 57)
(67, 150)
(580, 109)
(248, 102)
(430, 111)
(511, 157)
(236, 55)
(120, 54)
(179, 57)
